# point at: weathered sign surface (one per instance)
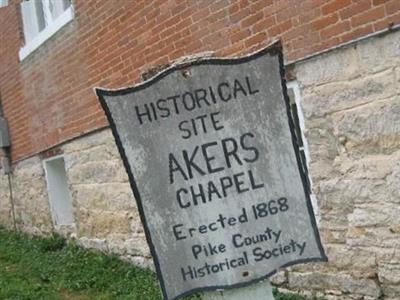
(211, 156)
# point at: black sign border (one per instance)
(273, 50)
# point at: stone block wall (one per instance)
(104, 206)
(32, 211)
(351, 102)
(5, 204)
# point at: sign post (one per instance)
(211, 154)
(257, 291)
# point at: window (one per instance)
(57, 187)
(42, 19)
(298, 120)
(3, 3)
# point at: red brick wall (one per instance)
(48, 97)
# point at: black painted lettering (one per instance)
(196, 250)
(253, 183)
(153, 108)
(186, 132)
(245, 145)
(239, 183)
(212, 189)
(180, 200)
(202, 229)
(178, 233)
(146, 113)
(212, 94)
(174, 100)
(230, 151)
(188, 101)
(226, 183)
(201, 118)
(249, 88)
(161, 105)
(194, 126)
(215, 121)
(190, 165)
(174, 167)
(201, 96)
(227, 96)
(198, 194)
(209, 158)
(237, 87)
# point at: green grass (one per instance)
(49, 268)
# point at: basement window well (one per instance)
(58, 192)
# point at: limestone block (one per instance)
(377, 166)
(100, 153)
(380, 53)
(342, 282)
(391, 291)
(334, 217)
(374, 215)
(116, 246)
(105, 196)
(5, 205)
(353, 259)
(136, 224)
(141, 262)
(336, 193)
(373, 128)
(322, 100)
(393, 184)
(100, 223)
(389, 274)
(332, 66)
(398, 77)
(279, 278)
(30, 196)
(332, 236)
(137, 246)
(388, 256)
(93, 243)
(89, 141)
(322, 141)
(380, 237)
(98, 172)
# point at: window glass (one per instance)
(57, 7)
(39, 14)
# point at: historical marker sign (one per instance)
(210, 152)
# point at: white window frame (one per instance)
(52, 26)
(294, 86)
(57, 223)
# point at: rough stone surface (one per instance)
(105, 209)
(5, 204)
(32, 209)
(351, 102)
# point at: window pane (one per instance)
(66, 3)
(40, 14)
(3, 3)
(57, 7)
(29, 18)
